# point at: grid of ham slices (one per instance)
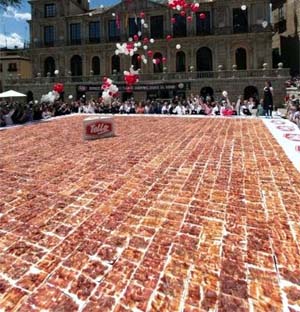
(170, 215)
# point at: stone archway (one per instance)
(204, 59)
(76, 65)
(251, 91)
(49, 66)
(241, 58)
(207, 91)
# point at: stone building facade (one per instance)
(286, 38)
(231, 48)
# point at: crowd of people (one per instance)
(16, 113)
(293, 82)
(293, 110)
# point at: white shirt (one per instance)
(179, 110)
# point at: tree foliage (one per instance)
(6, 3)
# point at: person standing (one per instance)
(268, 99)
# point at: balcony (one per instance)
(159, 77)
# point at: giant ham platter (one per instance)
(168, 215)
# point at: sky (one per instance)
(14, 30)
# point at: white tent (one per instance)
(11, 94)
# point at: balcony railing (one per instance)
(186, 76)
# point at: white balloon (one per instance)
(56, 72)
(145, 47)
(70, 97)
(152, 40)
(225, 94)
(178, 46)
(264, 24)
(244, 7)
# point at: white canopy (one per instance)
(11, 94)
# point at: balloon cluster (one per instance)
(50, 97)
(59, 88)
(110, 90)
(131, 77)
(133, 46)
(178, 4)
(184, 7)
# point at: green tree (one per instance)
(6, 3)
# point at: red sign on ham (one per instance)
(98, 128)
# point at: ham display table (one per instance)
(98, 127)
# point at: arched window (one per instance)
(204, 59)
(179, 27)
(76, 65)
(251, 92)
(96, 65)
(158, 67)
(115, 64)
(49, 66)
(241, 58)
(180, 61)
(207, 92)
(136, 61)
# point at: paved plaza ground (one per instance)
(172, 214)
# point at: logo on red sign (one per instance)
(286, 128)
(98, 128)
(278, 122)
(292, 137)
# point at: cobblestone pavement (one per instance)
(171, 215)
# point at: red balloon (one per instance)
(142, 15)
(169, 37)
(135, 37)
(194, 7)
(202, 16)
(164, 59)
(58, 87)
(145, 40)
(173, 20)
(150, 53)
(139, 57)
(182, 13)
(189, 18)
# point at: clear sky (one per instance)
(13, 26)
